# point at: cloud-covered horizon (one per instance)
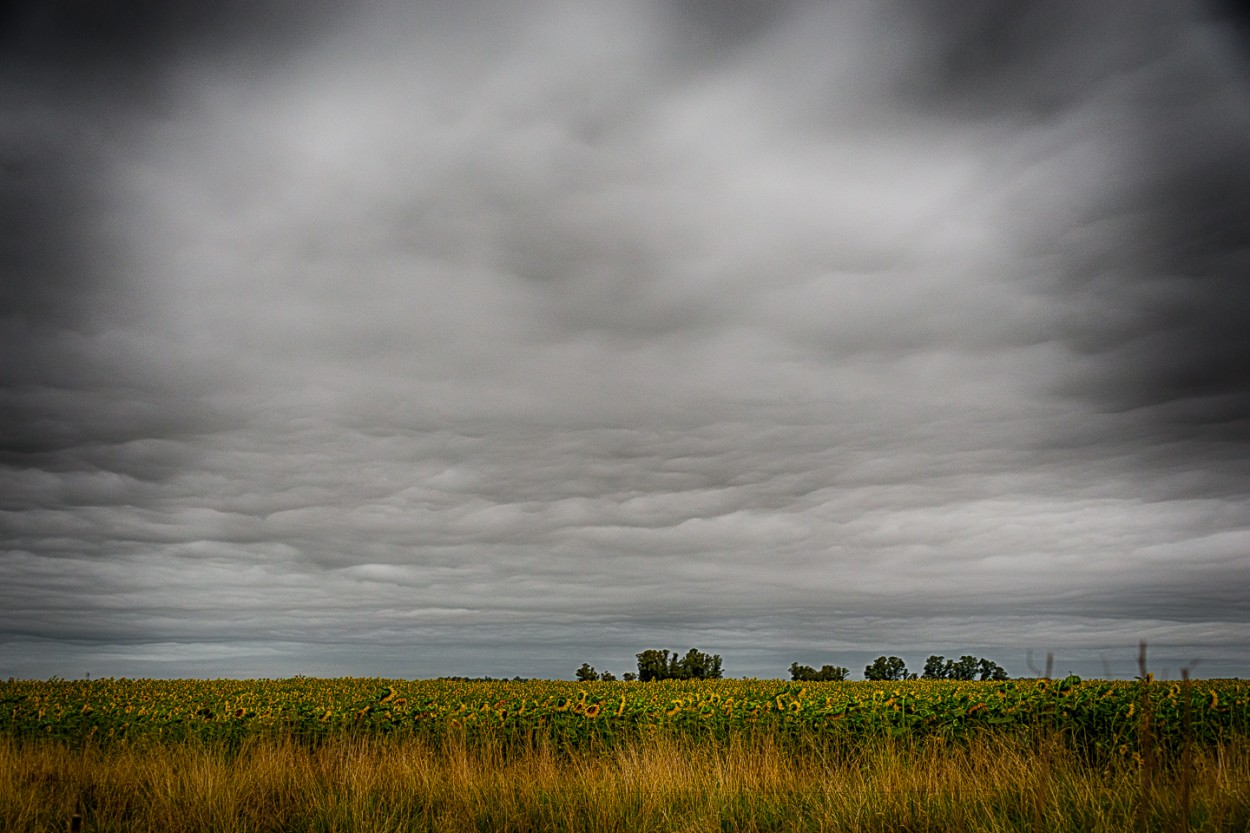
(478, 339)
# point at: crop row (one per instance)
(1098, 715)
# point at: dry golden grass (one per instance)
(662, 784)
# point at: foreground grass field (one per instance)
(370, 755)
(663, 785)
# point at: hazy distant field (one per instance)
(352, 754)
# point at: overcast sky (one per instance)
(455, 338)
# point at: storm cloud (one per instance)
(454, 338)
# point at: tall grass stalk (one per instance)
(662, 784)
(1145, 741)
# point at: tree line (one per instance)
(936, 667)
(662, 664)
(656, 664)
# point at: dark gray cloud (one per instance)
(448, 339)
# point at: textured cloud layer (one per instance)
(493, 339)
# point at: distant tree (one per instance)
(607, 677)
(805, 673)
(886, 668)
(654, 664)
(629, 676)
(801, 672)
(934, 668)
(696, 665)
(991, 670)
(587, 674)
(966, 668)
